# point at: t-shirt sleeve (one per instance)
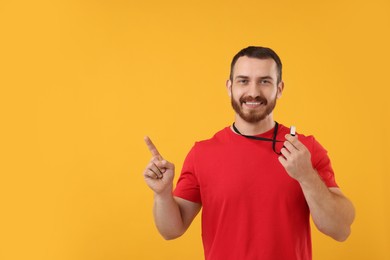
(187, 186)
(322, 164)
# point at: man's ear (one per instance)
(280, 89)
(229, 87)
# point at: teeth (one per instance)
(253, 103)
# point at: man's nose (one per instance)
(254, 89)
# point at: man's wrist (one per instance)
(309, 179)
(164, 195)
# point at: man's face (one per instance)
(254, 89)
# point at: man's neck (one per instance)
(260, 127)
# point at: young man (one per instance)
(257, 184)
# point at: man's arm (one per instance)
(172, 215)
(331, 211)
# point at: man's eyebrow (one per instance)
(241, 77)
(266, 77)
(247, 77)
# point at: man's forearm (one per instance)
(331, 211)
(167, 216)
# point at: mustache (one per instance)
(253, 99)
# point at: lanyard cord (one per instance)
(273, 140)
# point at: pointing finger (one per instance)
(152, 148)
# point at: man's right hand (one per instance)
(159, 173)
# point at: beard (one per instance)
(253, 116)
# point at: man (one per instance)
(257, 184)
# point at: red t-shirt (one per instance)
(252, 209)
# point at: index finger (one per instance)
(152, 148)
(295, 141)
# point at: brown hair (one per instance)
(259, 53)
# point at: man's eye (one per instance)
(243, 81)
(264, 81)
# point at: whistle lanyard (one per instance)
(273, 140)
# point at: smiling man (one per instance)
(257, 185)
(251, 106)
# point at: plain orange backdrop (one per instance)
(83, 81)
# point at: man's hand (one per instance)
(159, 173)
(296, 159)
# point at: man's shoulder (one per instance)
(219, 137)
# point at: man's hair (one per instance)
(258, 53)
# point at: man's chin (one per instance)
(253, 118)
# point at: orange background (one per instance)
(83, 81)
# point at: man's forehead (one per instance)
(245, 60)
(246, 66)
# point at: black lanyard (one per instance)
(273, 140)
